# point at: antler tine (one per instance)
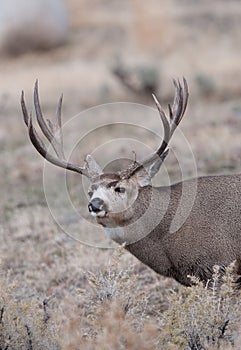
(59, 122)
(49, 132)
(185, 96)
(57, 129)
(179, 104)
(176, 99)
(43, 126)
(166, 126)
(38, 143)
(170, 111)
(24, 110)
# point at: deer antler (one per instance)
(176, 112)
(53, 133)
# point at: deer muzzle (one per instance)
(97, 207)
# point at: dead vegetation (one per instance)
(120, 309)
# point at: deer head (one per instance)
(111, 195)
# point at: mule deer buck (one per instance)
(158, 224)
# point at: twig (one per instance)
(30, 342)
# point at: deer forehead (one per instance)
(106, 189)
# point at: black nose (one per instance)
(96, 205)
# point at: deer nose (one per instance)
(96, 205)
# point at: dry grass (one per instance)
(117, 308)
(121, 304)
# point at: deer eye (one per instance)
(120, 189)
(90, 194)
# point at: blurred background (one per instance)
(99, 52)
(104, 51)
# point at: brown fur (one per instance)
(211, 234)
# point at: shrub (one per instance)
(203, 316)
(142, 79)
(25, 323)
(205, 84)
(114, 311)
(115, 285)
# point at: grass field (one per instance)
(55, 292)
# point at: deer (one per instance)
(156, 224)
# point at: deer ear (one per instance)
(144, 175)
(93, 167)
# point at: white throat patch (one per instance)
(116, 233)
